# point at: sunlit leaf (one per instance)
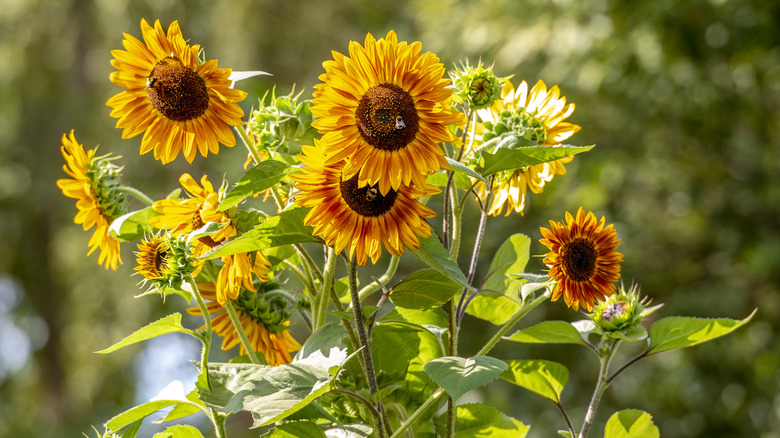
(548, 332)
(163, 326)
(424, 289)
(458, 375)
(255, 180)
(679, 332)
(511, 258)
(180, 431)
(323, 340)
(133, 225)
(433, 254)
(540, 376)
(240, 75)
(139, 413)
(480, 421)
(465, 170)
(493, 307)
(631, 423)
(296, 429)
(507, 158)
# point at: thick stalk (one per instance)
(204, 357)
(137, 193)
(462, 303)
(457, 212)
(598, 391)
(323, 297)
(250, 351)
(515, 318)
(452, 346)
(450, 176)
(250, 145)
(308, 262)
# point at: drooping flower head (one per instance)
(93, 183)
(183, 216)
(263, 317)
(164, 260)
(537, 116)
(582, 259)
(361, 219)
(181, 105)
(385, 108)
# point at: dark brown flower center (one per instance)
(387, 118)
(579, 259)
(366, 200)
(176, 91)
(160, 259)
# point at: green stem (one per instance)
(598, 391)
(359, 398)
(323, 297)
(250, 145)
(384, 279)
(452, 344)
(515, 318)
(250, 351)
(457, 212)
(219, 423)
(204, 357)
(309, 262)
(137, 193)
(450, 176)
(418, 413)
(306, 279)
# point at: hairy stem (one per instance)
(250, 351)
(598, 391)
(384, 279)
(137, 193)
(321, 300)
(250, 145)
(515, 318)
(412, 419)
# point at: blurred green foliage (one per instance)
(682, 99)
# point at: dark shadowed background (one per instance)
(681, 98)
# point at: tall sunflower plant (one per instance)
(271, 263)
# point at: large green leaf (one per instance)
(465, 170)
(480, 421)
(270, 393)
(540, 376)
(507, 158)
(548, 332)
(296, 429)
(285, 228)
(458, 375)
(393, 346)
(631, 423)
(433, 254)
(679, 332)
(163, 326)
(140, 412)
(326, 338)
(424, 289)
(180, 431)
(511, 258)
(133, 225)
(255, 180)
(493, 307)
(184, 409)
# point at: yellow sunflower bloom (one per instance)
(182, 216)
(274, 341)
(582, 259)
(361, 219)
(543, 113)
(179, 104)
(95, 208)
(386, 108)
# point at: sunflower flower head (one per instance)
(180, 104)
(165, 261)
(621, 311)
(264, 317)
(94, 183)
(360, 218)
(476, 85)
(383, 111)
(282, 122)
(582, 259)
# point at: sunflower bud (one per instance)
(104, 179)
(478, 86)
(267, 306)
(620, 312)
(165, 261)
(282, 121)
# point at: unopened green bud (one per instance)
(620, 312)
(476, 85)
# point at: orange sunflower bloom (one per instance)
(181, 105)
(385, 108)
(360, 218)
(92, 184)
(267, 331)
(182, 216)
(582, 259)
(541, 114)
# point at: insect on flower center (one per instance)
(387, 118)
(579, 259)
(176, 91)
(367, 200)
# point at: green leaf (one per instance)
(296, 429)
(164, 326)
(492, 307)
(548, 332)
(270, 393)
(180, 431)
(326, 338)
(631, 423)
(460, 180)
(479, 421)
(139, 413)
(424, 289)
(284, 228)
(679, 332)
(540, 376)
(184, 409)
(458, 375)
(133, 225)
(255, 180)
(511, 258)
(507, 158)
(433, 254)
(393, 346)
(465, 170)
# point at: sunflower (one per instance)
(182, 216)
(152, 258)
(180, 104)
(386, 107)
(264, 321)
(539, 116)
(92, 183)
(360, 218)
(582, 259)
